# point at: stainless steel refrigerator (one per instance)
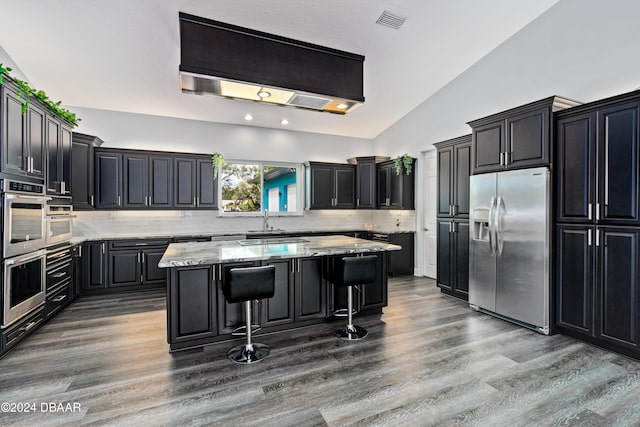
(509, 246)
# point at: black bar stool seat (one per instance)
(244, 285)
(349, 272)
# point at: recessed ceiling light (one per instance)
(248, 117)
(284, 122)
(263, 94)
(342, 106)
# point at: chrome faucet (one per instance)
(265, 220)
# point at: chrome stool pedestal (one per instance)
(349, 272)
(245, 285)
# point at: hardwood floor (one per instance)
(428, 360)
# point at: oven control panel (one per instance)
(21, 187)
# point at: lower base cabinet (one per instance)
(15, 333)
(453, 257)
(194, 299)
(598, 285)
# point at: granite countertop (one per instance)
(203, 253)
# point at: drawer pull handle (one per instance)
(59, 298)
(58, 275)
(28, 327)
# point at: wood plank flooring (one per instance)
(428, 360)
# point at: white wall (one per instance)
(127, 130)
(580, 49)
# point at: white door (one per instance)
(274, 199)
(292, 198)
(429, 220)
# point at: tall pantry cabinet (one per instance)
(597, 232)
(454, 164)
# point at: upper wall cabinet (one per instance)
(131, 179)
(366, 183)
(330, 185)
(598, 153)
(23, 136)
(395, 190)
(454, 160)
(516, 138)
(82, 161)
(58, 158)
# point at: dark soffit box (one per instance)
(224, 51)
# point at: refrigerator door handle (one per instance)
(492, 206)
(499, 224)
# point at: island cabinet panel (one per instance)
(193, 303)
(231, 316)
(280, 309)
(368, 297)
(311, 290)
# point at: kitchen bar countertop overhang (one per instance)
(222, 252)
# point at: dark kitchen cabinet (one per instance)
(366, 183)
(135, 262)
(82, 170)
(575, 275)
(454, 165)
(195, 186)
(147, 181)
(453, 257)
(369, 298)
(108, 178)
(94, 262)
(279, 309)
(401, 263)
(395, 191)
(310, 289)
(330, 186)
(192, 295)
(516, 138)
(598, 157)
(77, 270)
(58, 177)
(598, 292)
(23, 136)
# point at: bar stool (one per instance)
(350, 272)
(244, 285)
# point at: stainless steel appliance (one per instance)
(24, 285)
(23, 206)
(509, 246)
(58, 223)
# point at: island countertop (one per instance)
(203, 253)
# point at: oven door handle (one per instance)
(59, 217)
(24, 196)
(19, 260)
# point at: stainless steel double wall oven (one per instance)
(23, 249)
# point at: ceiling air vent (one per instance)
(307, 101)
(391, 20)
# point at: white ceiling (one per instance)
(123, 55)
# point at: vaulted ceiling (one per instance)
(123, 55)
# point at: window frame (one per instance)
(262, 163)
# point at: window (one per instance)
(254, 187)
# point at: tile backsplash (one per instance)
(103, 224)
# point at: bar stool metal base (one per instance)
(351, 332)
(248, 353)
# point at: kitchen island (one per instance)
(197, 313)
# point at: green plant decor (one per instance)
(404, 160)
(25, 92)
(217, 160)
